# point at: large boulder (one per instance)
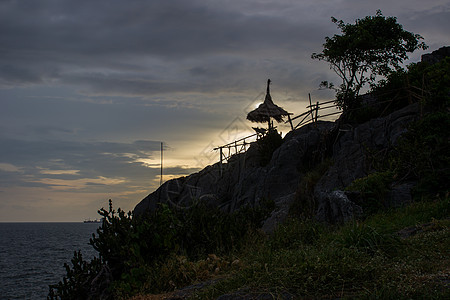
(336, 207)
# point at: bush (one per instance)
(429, 83)
(267, 145)
(134, 249)
(372, 190)
(304, 204)
(76, 284)
(422, 154)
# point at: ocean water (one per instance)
(32, 255)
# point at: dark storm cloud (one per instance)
(141, 47)
(165, 28)
(117, 46)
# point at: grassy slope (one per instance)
(366, 259)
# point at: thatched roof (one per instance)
(267, 110)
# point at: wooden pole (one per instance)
(317, 111)
(290, 122)
(310, 108)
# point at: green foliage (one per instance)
(267, 145)
(363, 114)
(304, 204)
(365, 260)
(435, 81)
(373, 46)
(209, 230)
(428, 83)
(369, 239)
(76, 283)
(134, 248)
(422, 154)
(372, 190)
(296, 232)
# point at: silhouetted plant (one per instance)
(429, 83)
(76, 283)
(422, 154)
(267, 145)
(373, 46)
(372, 189)
(304, 204)
(131, 247)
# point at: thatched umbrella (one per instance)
(267, 110)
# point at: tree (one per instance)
(373, 46)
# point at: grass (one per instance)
(363, 260)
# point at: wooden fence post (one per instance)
(317, 111)
(290, 122)
(310, 108)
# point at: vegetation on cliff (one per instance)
(373, 46)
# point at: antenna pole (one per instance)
(161, 177)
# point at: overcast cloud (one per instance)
(89, 89)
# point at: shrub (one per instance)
(304, 204)
(134, 248)
(372, 189)
(422, 154)
(430, 83)
(267, 145)
(76, 284)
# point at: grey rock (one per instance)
(335, 207)
(279, 214)
(353, 149)
(244, 182)
(436, 56)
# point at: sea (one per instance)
(32, 255)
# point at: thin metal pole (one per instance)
(161, 177)
(220, 164)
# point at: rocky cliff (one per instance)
(245, 182)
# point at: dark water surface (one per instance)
(32, 255)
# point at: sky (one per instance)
(90, 89)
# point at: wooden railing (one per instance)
(239, 146)
(312, 114)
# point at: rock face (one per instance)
(245, 182)
(336, 207)
(436, 56)
(351, 157)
